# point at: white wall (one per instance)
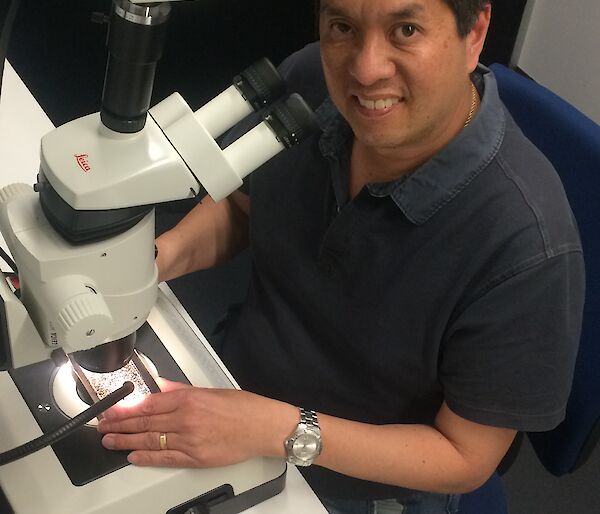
(559, 47)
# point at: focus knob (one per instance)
(12, 190)
(84, 322)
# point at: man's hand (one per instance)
(203, 427)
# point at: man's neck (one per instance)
(368, 165)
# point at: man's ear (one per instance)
(476, 38)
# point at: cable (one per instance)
(5, 30)
(6, 258)
(63, 431)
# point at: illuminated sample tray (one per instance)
(81, 454)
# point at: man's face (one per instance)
(397, 70)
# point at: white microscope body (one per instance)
(83, 286)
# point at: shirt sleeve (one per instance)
(509, 357)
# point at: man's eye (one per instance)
(341, 28)
(406, 30)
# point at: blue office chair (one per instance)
(571, 142)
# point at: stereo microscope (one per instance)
(82, 313)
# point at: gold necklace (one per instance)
(474, 96)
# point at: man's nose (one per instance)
(372, 62)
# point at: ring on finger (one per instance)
(162, 441)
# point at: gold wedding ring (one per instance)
(162, 441)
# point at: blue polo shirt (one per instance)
(461, 282)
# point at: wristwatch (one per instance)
(304, 444)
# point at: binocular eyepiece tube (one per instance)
(256, 87)
(285, 123)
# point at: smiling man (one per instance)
(417, 280)
(399, 74)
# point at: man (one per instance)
(417, 276)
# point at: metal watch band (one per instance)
(308, 418)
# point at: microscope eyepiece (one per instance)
(260, 84)
(292, 120)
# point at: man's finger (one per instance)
(168, 385)
(135, 425)
(164, 458)
(144, 441)
(153, 404)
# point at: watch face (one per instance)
(306, 446)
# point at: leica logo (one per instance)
(82, 162)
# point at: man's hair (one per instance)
(465, 12)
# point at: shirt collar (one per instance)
(426, 190)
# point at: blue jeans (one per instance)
(418, 503)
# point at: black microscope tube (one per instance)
(135, 44)
(107, 357)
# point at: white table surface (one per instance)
(22, 124)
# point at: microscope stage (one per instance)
(81, 454)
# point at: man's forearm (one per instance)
(208, 235)
(455, 456)
(411, 456)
